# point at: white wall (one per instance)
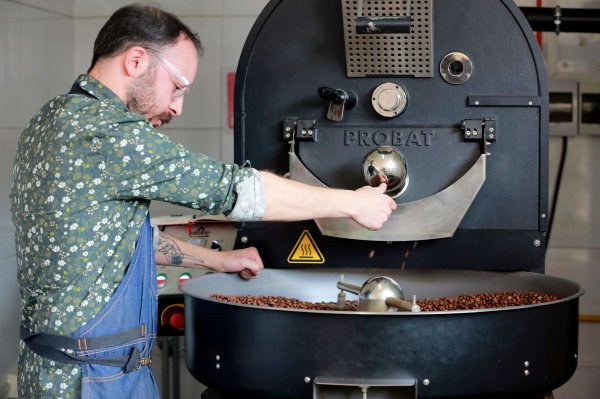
(44, 44)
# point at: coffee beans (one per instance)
(462, 302)
(485, 301)
(283, 302)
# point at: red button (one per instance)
(177, 320)
(161, 280)
(184, 277)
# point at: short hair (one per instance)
(140, 25)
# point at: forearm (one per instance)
(173, 252)
(288, 200)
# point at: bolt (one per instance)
(304, 132)
(526, 372)
(491, 136)
(218, 366)
(287, 128)
(492, 130)
(244, 239)
(468, 132)
(218, 357)
(543, 216)
(426, 382)
(526, 364)
(476, 102)
(310, 132)
(474, 132)
(537, 243)
(530, 103)
(307, 379)
(287, 135)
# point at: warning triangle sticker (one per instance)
(306, 251)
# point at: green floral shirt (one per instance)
(84, 174)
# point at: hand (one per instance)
(378, 178)
(246, 262)
(373, 206)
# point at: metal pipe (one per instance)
(351, 288)
(557, 19)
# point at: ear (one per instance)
(136, 61)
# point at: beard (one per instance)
(139, 97)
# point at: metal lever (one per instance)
(339, 100)
(376, 25)
(344, 286)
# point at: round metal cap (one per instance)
(389, 100)
(456, 68)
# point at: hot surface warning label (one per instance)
(306, 251)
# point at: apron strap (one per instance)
(49, 346)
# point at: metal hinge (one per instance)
(300, 129)
(479, 129)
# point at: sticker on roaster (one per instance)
(306, 251)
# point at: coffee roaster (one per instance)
(447, 102)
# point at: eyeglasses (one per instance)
(182, 83)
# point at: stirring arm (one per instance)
(402, 304)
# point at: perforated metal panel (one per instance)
(409, 54)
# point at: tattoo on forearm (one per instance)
(171, 250)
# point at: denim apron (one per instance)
(134, 304)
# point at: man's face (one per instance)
(142, 97)
(156, 94)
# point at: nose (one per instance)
(176, 106)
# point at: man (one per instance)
(87, 166)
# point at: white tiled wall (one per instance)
(60, 7)
(104, 8)
(9, 294)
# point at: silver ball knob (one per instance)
(386, 164)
